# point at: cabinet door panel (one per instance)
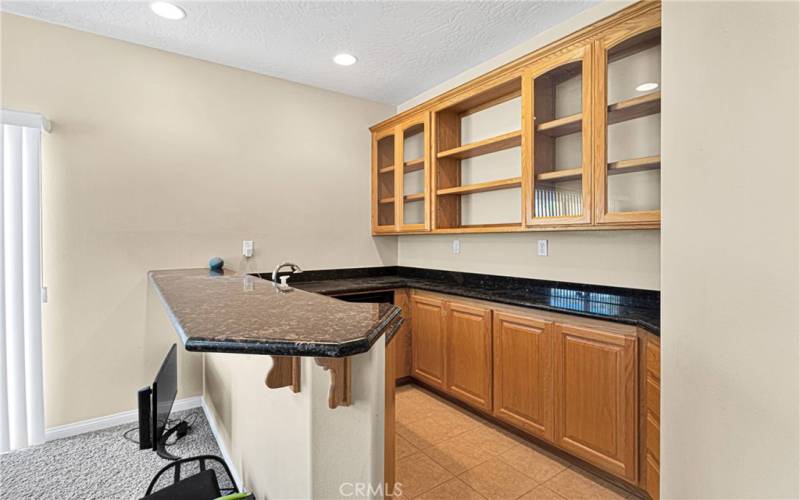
(428, 340)
(469, 354)
(403, 336)
(596, 401)
(523, 373)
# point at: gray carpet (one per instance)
(99, 464)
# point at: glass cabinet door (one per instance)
(557, 114)
(383, 182)
(628, 121)
(412, 174)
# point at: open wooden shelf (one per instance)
(386, 170)
(486, 146)
(569, 174)
(481, 187)
(635, 165)
(561, 126)
(637, 107)
(387, 200)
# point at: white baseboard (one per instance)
(100, 423)
(223, 448)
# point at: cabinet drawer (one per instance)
(653, 433)
(653, 395)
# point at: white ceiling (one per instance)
(403, 48)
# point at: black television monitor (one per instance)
(155, 405)
(165, 387)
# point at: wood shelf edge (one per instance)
(635, 165)
(636, 107)
(561, 126)
(481, 187)
(561, 175)
(486, 146)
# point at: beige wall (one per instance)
(729, 419)
(161, 161)
(291, 446)
(620, 258)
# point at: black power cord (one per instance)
(173, 421)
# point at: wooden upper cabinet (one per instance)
(413, 174)
(383, 181)
(567, 137)
(469, 354)
(596, 398)
(401, 190)
(523, 373)
(557, 117)
(627, 151)
(428, 316)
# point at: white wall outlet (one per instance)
(456, 247)
(247, 248)
(542, 247)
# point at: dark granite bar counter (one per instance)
(622, 305)
(222, 312)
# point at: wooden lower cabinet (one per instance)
(652, 427)
(428, 340)
(402, 338)
(572, 382)
(596, 398)
(468, 354)
(523, 373)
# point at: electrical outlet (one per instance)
(456, 247)
(247, 248)
(542, 248)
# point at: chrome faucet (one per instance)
(295, 269)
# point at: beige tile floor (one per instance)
(444, 452)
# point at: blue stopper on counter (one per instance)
(215, 264)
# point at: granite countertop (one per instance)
(223, 312)
(622, 305)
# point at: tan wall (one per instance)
(729, 418)
(291, 446)
(162, 161)
(629, 258)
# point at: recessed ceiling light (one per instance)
(647, 87)
(344, 59)
(167, 10)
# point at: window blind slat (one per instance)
(32, 284)
(15, 341)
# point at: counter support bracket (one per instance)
(340, 393)
(285, 372)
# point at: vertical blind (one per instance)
(21, 398)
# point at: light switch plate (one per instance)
(247, 248)
(456, 247)
(542, 247)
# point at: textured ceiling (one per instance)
(403, 48)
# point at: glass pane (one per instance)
(634, 191)
(413, 161)
(558, 141)
(634, 124)
(386, 181)
(414, 212)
